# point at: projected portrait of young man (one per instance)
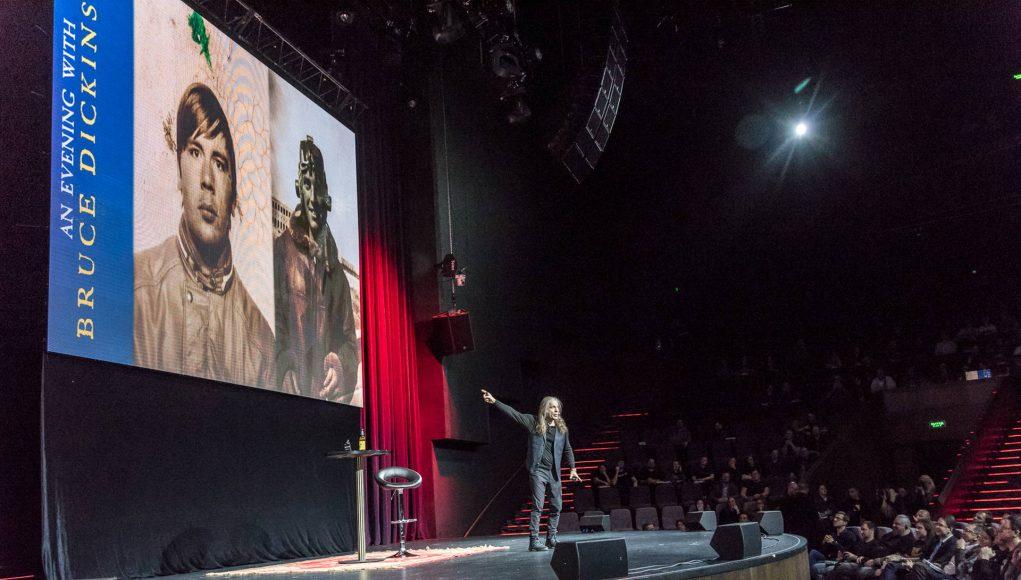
(193, 314)
(316, 340)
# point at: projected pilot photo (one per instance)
(314, 253)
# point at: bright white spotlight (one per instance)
(801, 129)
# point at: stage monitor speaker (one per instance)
(590, 559)
(770, 522)
(737, 541)
(452, 333)
(700, 521)
(598, 522)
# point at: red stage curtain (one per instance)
(392, 412)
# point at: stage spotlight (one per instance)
(801, 129)
(345, 17)
(505, 59)
(449, 27)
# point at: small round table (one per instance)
(359, 457)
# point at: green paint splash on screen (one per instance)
(200, 36)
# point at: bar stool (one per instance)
(388, 479)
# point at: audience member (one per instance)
(676, 474)
(602, 478)
(882, 382)
(723, 491)
(649, 474)
(680, 437)
(833, 544)
(729, 513)
(936, 562)
(702, 476)
(946, 346)
(625, 481)
(823, 503)
(731, 468)
(852, 506)
(755, 488)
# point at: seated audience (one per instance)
(723, 491)
(882, 382)
(852, 506)
(729, 513)
(823, 503)
(749, 466)
(649, 474)
(834, 544)
(702, 476)
(602, 478)
(625, 481)
(755, 488)
(731, 468)
(676, 474)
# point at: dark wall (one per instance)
(25, 49)
(508, 209)
(154, 473)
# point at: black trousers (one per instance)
(539, 483)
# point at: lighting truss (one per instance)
(247, 28)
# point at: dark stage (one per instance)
(662, 554)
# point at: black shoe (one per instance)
(534, 545)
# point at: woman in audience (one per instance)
(729, 513)
(823, 503)
(887, 509)
(925, 538)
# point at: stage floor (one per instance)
(659, 554)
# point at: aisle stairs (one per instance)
(988, 474)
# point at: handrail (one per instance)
(830, 450)
(492, 499)
(970, 445)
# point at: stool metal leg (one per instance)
(403, 551)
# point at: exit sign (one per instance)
(937, 424)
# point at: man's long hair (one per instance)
(541, 420)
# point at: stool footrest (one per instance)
(404, 521)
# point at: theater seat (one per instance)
(620, 520)
(569, 522)
(646, 515)
(669, 517)
(665, 494)
(640, 496)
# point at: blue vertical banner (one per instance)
(91, 181)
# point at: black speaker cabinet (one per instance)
(590, 559)
(700, 521)
(594, 522)
(452, 333)
(770, 522)
(737, 541)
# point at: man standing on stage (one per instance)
(316, 343)
(548, 441)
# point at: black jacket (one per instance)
(946, 551)
(536, 442)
